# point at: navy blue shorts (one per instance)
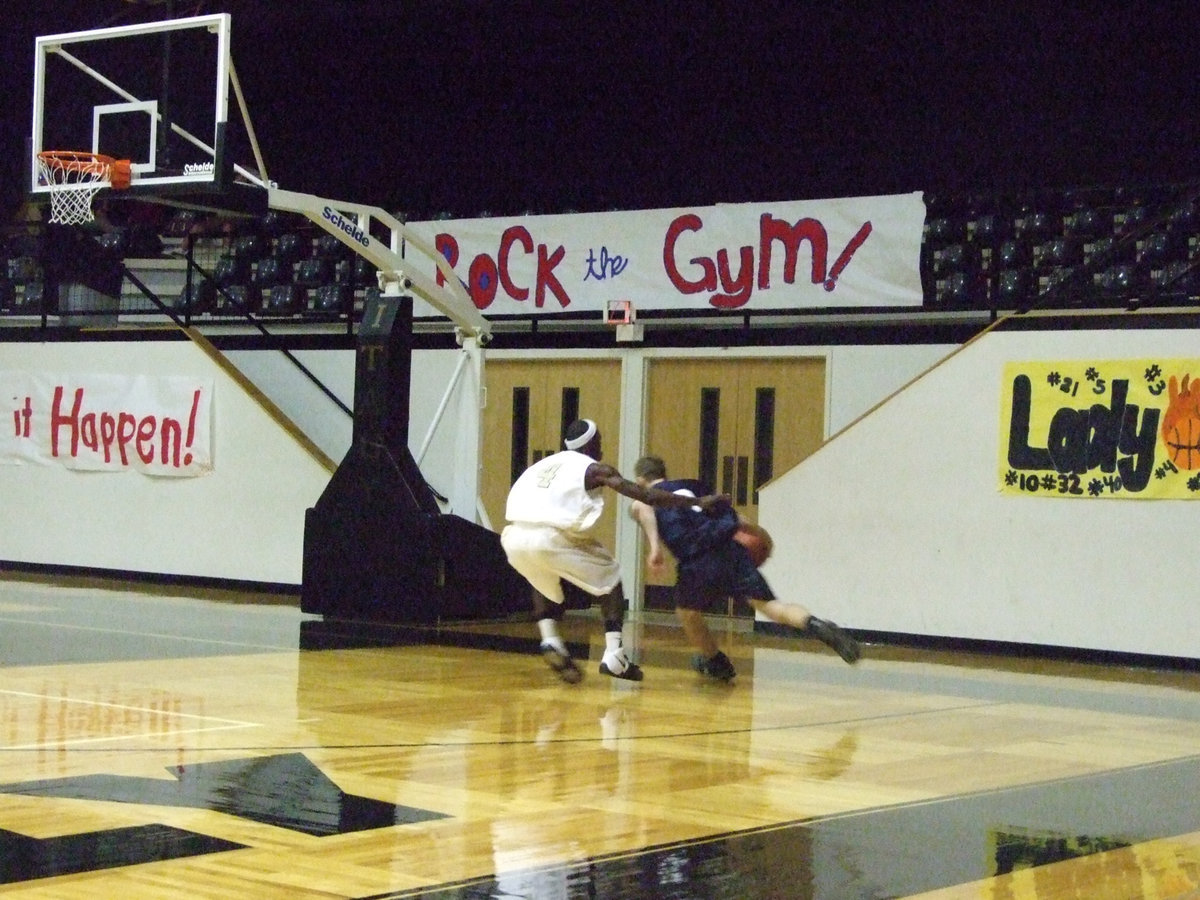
(706, 582)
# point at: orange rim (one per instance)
(117, 171)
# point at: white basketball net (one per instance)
(73, 180)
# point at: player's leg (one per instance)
(696, 630)
(796, 616)
(782, 612)
(590, 565)
(554, 650)
(710, 660)
(699, 587)
(529, 552)
(750, 586)
(616, 661)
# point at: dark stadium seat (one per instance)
(181, 223)
(314, 272)
(330, 299)
(1014, 288)
(24, 269)
(1119, 282)
(231, 269)
(1014, 253)
(961, 290)
(271, 271)
(1161, 248)
(944, 230)
(1179, 280)
(251, 246)
(202, 298)
(1087, 223)
(30, 298)
(990, 230)
(284, 300)
(959, 257)
(1060, 252)
(330, 247)
(1039, 226)
(293, 246)
(364, 271)
(239, 299)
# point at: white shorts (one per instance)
(544, 554)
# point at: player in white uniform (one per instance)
(551, 508)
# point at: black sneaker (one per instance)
(828, 633)
(717, 666)
(562, 664)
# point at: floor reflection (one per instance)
(895, 852)
(793, 725)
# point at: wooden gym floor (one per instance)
(177, 742)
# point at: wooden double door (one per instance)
(529, 406)
(734, 423)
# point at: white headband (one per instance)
(582, 440)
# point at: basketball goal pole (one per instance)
(353, 224)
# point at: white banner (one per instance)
(818, 254)
(115, 423)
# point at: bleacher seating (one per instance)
(270, 271)
(314, 272)
(293, 247)
(238, 300)
(231, 270)
(329, 299)
(284, 299)
(200, 299)
(30, 298)
(331, 248)
(1099, 248)
(252, 247)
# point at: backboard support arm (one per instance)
(351, 224)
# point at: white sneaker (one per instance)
(618, 664)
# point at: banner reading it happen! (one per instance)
(1126, 428)
(157, 425)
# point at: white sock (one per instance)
(612, 641)
(549, 631)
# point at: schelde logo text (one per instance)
(336, 218)
(204, 168)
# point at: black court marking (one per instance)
(24, 858)
(285, 790)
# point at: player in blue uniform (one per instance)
(712, 566)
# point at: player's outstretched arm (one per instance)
(603, 475)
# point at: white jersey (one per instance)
(551, 492)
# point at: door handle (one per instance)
(743, 479)
(727, 475)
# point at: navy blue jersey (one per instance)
(687, 531)
(712, 566)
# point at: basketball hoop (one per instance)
(74, 177)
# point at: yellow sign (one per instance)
(1126, 428)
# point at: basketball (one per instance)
(756, 540)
